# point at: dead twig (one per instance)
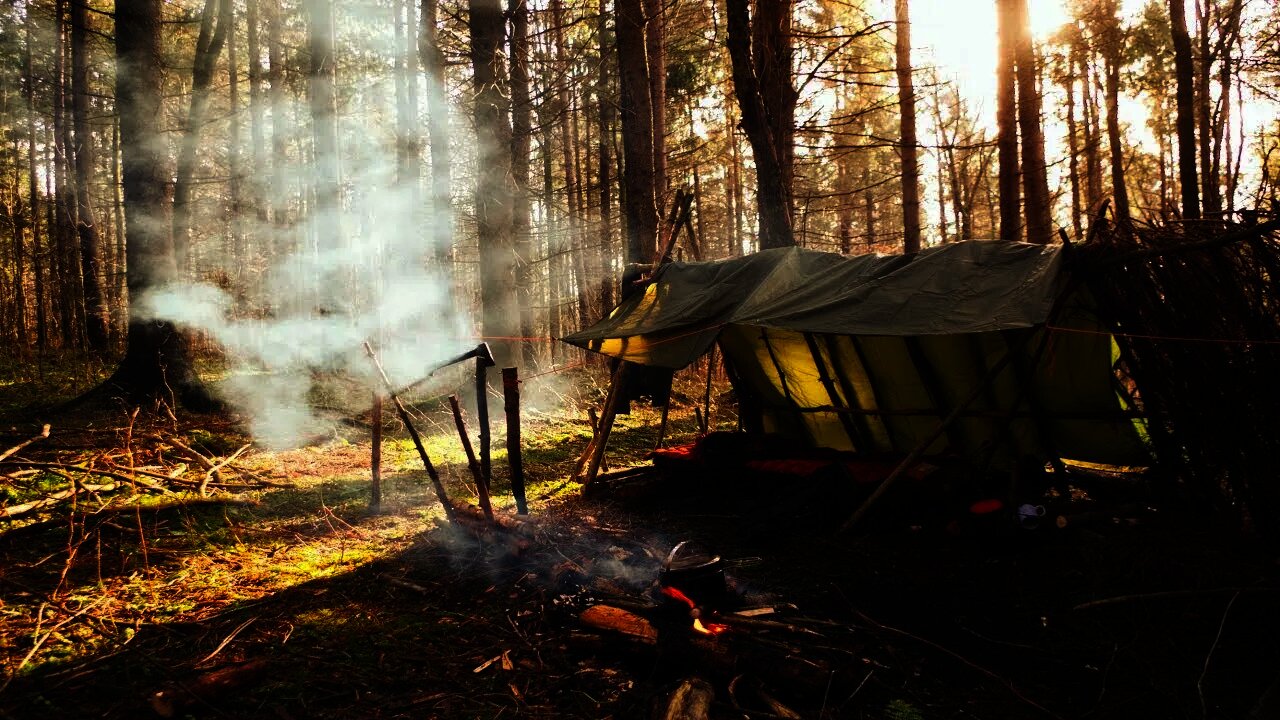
(41, 639)
(214, 472)
(1204, 708)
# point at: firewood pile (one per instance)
(1195, 309)
(52, 469)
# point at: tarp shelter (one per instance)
(870, 353)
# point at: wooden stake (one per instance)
(662, 426)
(482, 417)
(511, 404)
(441, 495)
(482, 488)
(375, 453)
(705, 421)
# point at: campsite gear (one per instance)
(1029, 516)
(870, 353)
(698, 576)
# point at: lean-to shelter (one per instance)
(872, 353)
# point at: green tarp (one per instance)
(870, 352)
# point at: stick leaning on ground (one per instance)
(441, 495)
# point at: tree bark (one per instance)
(604, 105)
(1006, 120)
(1186, 124)
(1211, 196)
(656, 54)
(1035, 181)
(235, 166)
(70, 293)
(322, 78)
(441, 222)
(87, 227)
(213, 35)
(281, 241)
(908, 142)
(37, 262)
(257, 113)
(521, 134)
(156, 361)
(760, 54)
(1119, 191)
(493, 192)
(1073, 146)
(640, 201)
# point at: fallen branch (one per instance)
(66, 467)
(875, 624)
(43, 434)
(76, 488)
(213, 473)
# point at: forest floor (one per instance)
(271, 590)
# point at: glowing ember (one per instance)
(709, 628)
(674, 593)
(698, 625)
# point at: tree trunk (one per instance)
(1119, 193)
(1073, 149)
(1035, 181)
(1210, 193)
(156, 360)
(1092, 133)
(94, 310)
(521, 133)
(257, 111)
(281, 240)
(322, 78)
(1007, 120)
(213, 35)
(908, 143)
(639, 179)
(493, 182)
(235, 169)
(441, 222)
(1183, 76)
(760, 54)
(70, 280)
(37, 255)
(604, 105)
(656, 54)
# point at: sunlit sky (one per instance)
(958, 37)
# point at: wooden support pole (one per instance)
(704, 422)
(482, 487)
(923, 446)
(441, 495)
(482, 417)
(375, 453)
(662, 425)
(511, 404)
(610, 412)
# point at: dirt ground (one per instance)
(279, 594)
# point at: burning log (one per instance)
(617, 620)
